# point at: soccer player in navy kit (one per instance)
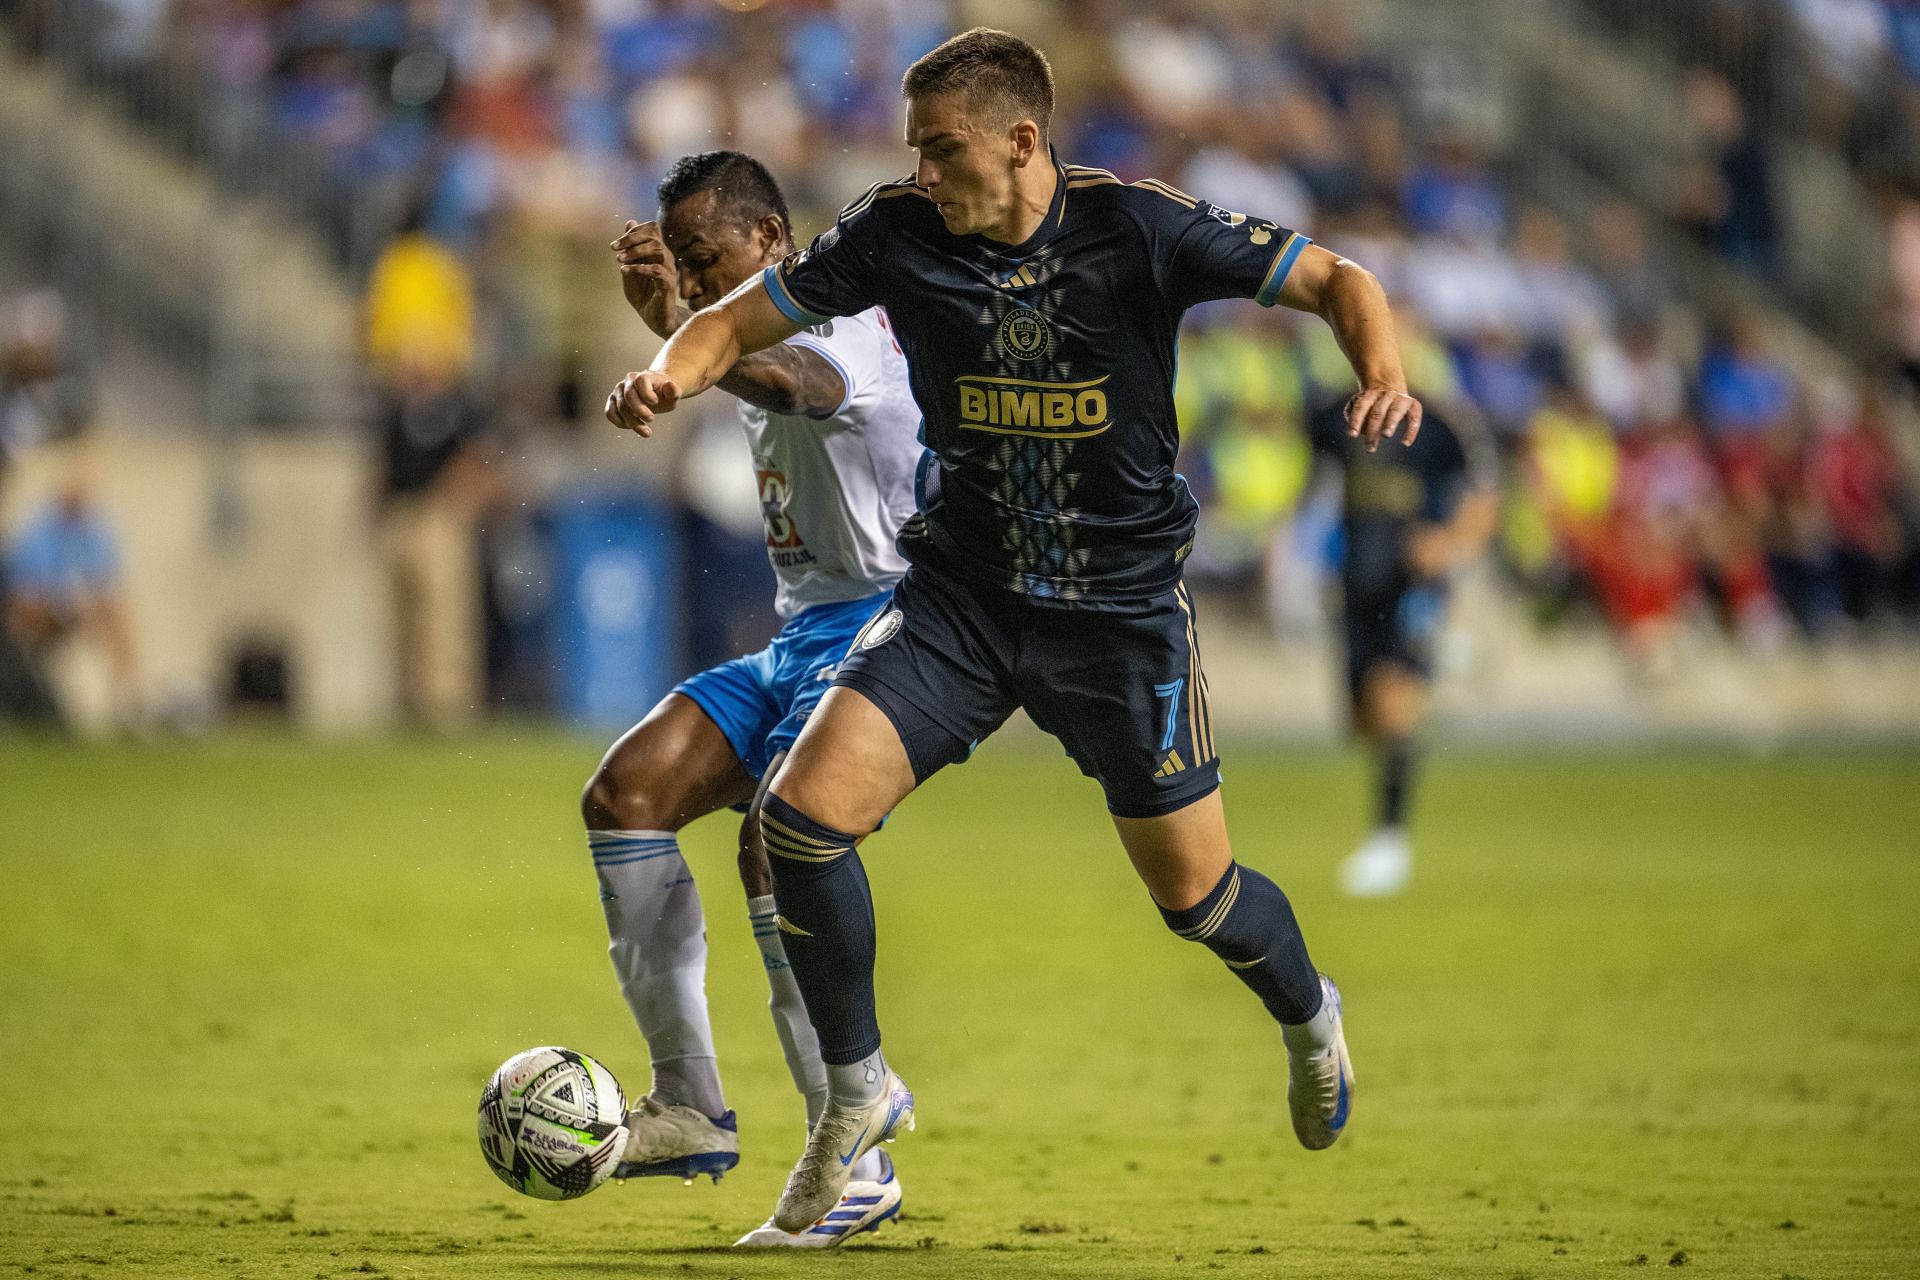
(1038, 305)
(1409, 517)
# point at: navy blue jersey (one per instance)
(1044, 371)
(1394, 489)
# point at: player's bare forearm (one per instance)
(708, 346)
(787, 379)
(781, 379)
(700, 353)
(1348, 297)
(1355, 307)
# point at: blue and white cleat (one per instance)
(666, 1140)
(866, 1204)
(1320, 1074)
(841, 1136)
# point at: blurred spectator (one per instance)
(1503, 378)
(44, 393)
(1569, 467)
(1242, 172)
(1903, 261)
(1633, 378)
(1452, 193)
(1772, 488)
(1866, 501)
(1175, 65)
(1637, 287)
(1673, 537)
(435, 482)
(1727, 197)
(1241, 400)
(1565, 303)
(1574, 466)
(420, 306)
(1850, 37)
(62, 585)
(1745, 389)
(1467, 284)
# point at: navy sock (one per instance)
(1396, 780)
(826, 923)
(1249, 923)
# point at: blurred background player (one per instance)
(834, 435)
(1038, 303)
(1411, 516)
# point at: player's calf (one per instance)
(826, 922)
(657, 941)
(1247, 921)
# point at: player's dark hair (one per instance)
(746, 191)
(993, 69)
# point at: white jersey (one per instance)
(834, 491)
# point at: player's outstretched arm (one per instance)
(782, 379)
(699, 354)
(1348, 297)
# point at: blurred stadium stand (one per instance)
(1669, 253)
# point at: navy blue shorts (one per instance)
(1122, 691)
(1399, 629)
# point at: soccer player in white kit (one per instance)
(834, 433)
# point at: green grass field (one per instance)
(1638, 1012)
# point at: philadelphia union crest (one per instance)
(1026, 335)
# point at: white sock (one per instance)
(658, 942)
(1311, 1036)
(857, 1083)
(797, 1039)
(867, 1168)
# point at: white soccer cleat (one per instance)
(666, 1140)
(1320, 1082)
(1379, 868)
(841, 1136)
(863, 1207)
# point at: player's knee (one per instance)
(794, 840)
(1201, 920)
(618, 800)
(814, 797)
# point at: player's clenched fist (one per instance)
(639, 397)
(647, 275)
(1376, 413)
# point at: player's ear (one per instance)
(1025, 136)
(769, 233)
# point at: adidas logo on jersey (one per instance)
(1171, 765)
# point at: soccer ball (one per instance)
(552, 1123)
